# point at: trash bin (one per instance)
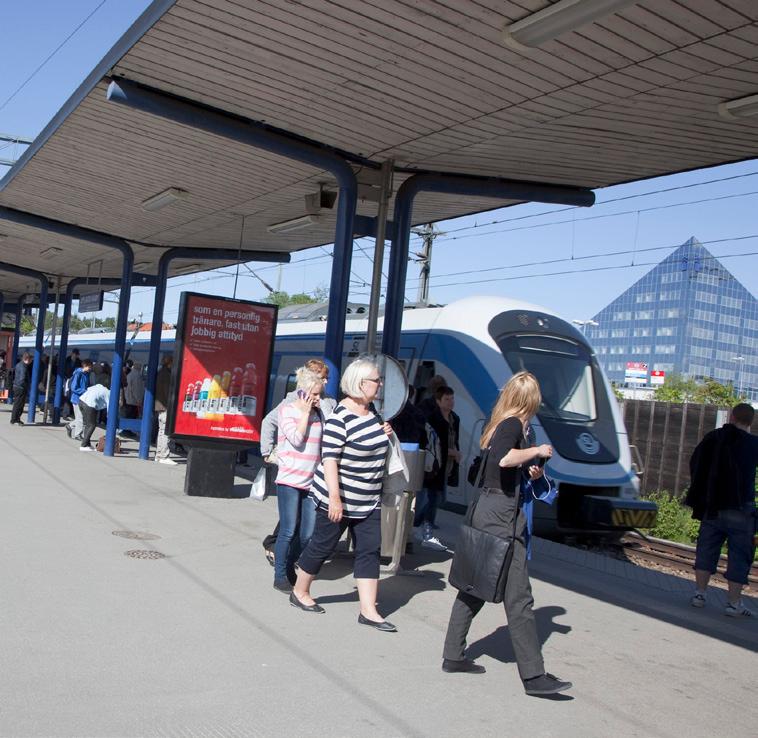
(397, 521)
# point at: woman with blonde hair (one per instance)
(346, 491)
(300, 422)
(499, 512)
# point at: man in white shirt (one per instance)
(94, 399)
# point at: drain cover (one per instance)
(135, 535)
(144, 554)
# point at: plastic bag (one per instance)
(258, 488)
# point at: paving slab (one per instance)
(97, 643)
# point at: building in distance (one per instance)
(688, 315)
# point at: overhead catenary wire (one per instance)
(51, 55)
(623, 252)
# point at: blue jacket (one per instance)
(79, 384)
(530, 493)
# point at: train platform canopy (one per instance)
(489, 88)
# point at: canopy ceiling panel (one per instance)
(428, 83)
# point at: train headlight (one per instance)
(630, 490)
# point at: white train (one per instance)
(477, 343)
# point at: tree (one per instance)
(283, 298)
(676, 389)
(711, 392)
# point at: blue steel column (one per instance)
(148, 403)
(184, 112)
(457, 185)
(38, 349)
(122, 321)
(17, 329)
(60, 378)
(60, 375)
(13, 359)
(159, 302)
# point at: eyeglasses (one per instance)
(376, 380)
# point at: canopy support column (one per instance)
(148, 404)
(185, 112)
(495, 187)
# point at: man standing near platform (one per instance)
(21, 382)
(722, 497)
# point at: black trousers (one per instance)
(89, 419)
(494, 514)
(19, 400)
(367, 534)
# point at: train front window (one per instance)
(563, 369)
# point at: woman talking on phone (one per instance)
(499, 512)
(300, 422)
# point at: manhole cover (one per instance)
(136, 535)
(138, 553)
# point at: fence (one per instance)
(665, 434)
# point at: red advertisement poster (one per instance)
(222, 360)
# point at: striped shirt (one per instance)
(298, 453)
(359, 446)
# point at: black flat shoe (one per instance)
(544, 685)
(385, 626)
(308, 608)
(465, 665)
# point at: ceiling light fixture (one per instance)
(742, 107)
(52, 251)
(294, 224)
(162, 199)
(557, 19)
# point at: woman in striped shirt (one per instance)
(347, 489)
(299, 451)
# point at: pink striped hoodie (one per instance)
(298, 454)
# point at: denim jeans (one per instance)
(427, 502)
(737, 528)
(296, 513)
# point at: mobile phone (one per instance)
(301, 394)
(541, 461)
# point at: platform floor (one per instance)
(96, 643)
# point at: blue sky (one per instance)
(530, 253)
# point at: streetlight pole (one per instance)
(740, 364)
(584, 323)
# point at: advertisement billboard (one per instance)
(222, 362)
(636, 372)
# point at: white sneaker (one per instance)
(738, 610)
(434, 543)
(698, 599)
(167, 461)
(86, 448)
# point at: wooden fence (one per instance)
(665, 434)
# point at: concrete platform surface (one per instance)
(97, 643)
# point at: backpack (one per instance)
(432, 452)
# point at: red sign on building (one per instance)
(657, 377)
(222, 362)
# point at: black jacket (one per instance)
(21, 377)
(715, 478)
(436, 481)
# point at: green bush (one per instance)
(674, 522)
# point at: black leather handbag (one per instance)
(481, 562)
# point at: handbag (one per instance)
(481, 561)
(258, 488)
(396, 473)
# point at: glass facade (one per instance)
(688, 315)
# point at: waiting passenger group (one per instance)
(330, 460)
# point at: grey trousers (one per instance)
(494, 514)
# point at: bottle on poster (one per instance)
(223, 403)
(249, 385)
(235, 391)
(205, 389)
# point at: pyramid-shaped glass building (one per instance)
(688, 315)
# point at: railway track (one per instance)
(671, 555)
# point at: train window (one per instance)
(291, 384)
(563, 369)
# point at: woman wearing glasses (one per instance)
(347, 490)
